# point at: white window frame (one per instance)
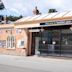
(10, 42)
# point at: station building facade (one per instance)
(44, 35)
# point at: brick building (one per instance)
(49, 35)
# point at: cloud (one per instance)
(25, 7)
(14, 10)
(18, 5)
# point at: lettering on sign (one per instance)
(56, 22)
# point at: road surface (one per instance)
(34, 64)
(6, 68)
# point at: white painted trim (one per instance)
(34, 30)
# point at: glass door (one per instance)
(49, 43)
(66, 48)
(53, 42)
(56, 42)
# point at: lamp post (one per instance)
(41, 30)
(41, 41)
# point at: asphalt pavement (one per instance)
(35, 63)
(6, 68)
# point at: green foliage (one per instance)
(52, 10)
(2, 6)
(13, 18)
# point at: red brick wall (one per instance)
(17, 51)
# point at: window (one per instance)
(66, 37)
(18, 31)
(22, 43)
(2, 43)
(10, 42)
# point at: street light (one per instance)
(41, 42)
(41, 30)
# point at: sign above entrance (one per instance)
(59, 22)
(34, 30)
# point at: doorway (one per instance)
(52, 42)
(46, 42)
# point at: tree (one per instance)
(13, 18)
(1, 18)
(52, 10)
(1, 5)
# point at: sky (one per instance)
(25, 7)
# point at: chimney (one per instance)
(36, 11)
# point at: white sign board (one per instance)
(20, 43)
